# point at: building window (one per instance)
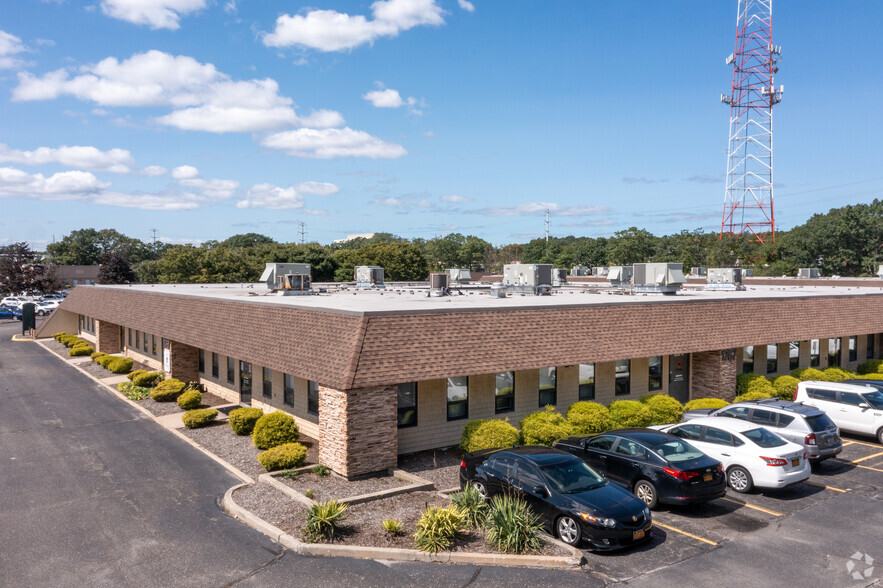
(772, 358)
(288, 390)
(814, 357)
(408, 405)
(231, 370)
(548, 386)
(313, 397)
(834, 352)
(137, 339)
(146, 343)
(586, 381)
(244, 378)
(654, 380)
(130, 336)
(504, 392)
(853, 348)
(623, 377)
(458, 398)
(748, 359)
(81, 324)
(870, 346)
(153, 344)
(201, 361)
(794, 355)
(214, 365)
(268, 382)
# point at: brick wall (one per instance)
(714, 374)
(107, 336)
(184, 361)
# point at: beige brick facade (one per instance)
(107, 337)
(183, 361)
(714, 374)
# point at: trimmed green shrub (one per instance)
(96, 355)
(274, 429)
(189, 399)
(627, 414)
(324, 519)
(871, 377)
(797, 373)
(59, 335)
(283, 457)
(836, 374)
(135, 374)
(70, 340)
(872, 366)
(810, 374)
(512, 526)
(242, 420)
(785, 386)
(105, 360)
(665, 410)
(491, 434)
(752, 396)
(761, 386)
(544, 427)
(743, 381)
(646, 397)
(438, 527)
(589, 418)
(706, 403)
(167, 390)
(472, 505)
(468, 429)
(199, 417)
(148, 379)
(120, 365)
(81, 350)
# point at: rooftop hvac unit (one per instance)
(579, 270)
(808, 272)
(698, 271)
(438, 284)
(724, 278)
(559, 276)
(498, 290)
(600, 271)
(528, 278)
(293, 285)
(619, 275)
(273, 271)
(369, 276)
(459, 276)
(664, 278)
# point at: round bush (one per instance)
(491, 434)
(466, 435)
(744, 380)
(871, 377)
(706, 403)
(135, 374)
(872, 366)
(665, 410)
(628, 414)
(274, 429)
(120, 365)
(148, 378)
(752, 396)
(200, 417)
(167, 390)
(544, 427)
(798, 373)
(811, 374)
(589, 418)
(81, 350)
(646, 397)
(70, 340)
(105, 360)
(283, 457)
(785, 386)
(97, 354)
(242, 420)
(59, 335)
(189, 399)
(761, 386)
(836, 374)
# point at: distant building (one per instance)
(354, 236)
(77, 275)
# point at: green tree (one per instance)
(20, 271)
(632, 245)
(180, 264)
(90, 246)
(400, 261)
(115, 270)
(246, 240)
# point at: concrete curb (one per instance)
(416, 484)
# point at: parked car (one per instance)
(7, 312)
(798, 423)
(13, 301)
(854, 407)
(655, 466)
(751, 455)
(44, 308)
(573, 501)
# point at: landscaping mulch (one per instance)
(209, 400)
(57, 348)
(440, 466)
(334, 486)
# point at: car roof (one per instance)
(731, 425)
(649, 437)
(838, 386)
(538, 454)
(778, 403)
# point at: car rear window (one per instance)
(676, 450)
(819, 423)
(819, 394)
(764, 438)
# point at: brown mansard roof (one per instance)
(352, 350)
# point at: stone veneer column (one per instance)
(358, 432)
(184, 361)
(107, 336)
(714, 374)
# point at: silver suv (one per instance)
(804, 425)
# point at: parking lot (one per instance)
(683, 534)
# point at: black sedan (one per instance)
(656, 466)
(573, 501)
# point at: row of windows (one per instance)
(143, 341)
(87, 324)
(834, 354)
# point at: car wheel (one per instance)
(739, 479)
(646, 491)
(480, 488)
(568, 530)
(880, 435)
(40, 313)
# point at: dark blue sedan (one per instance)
(10, 313)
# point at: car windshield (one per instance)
(875, 399)
(569, 477)
(676, 450)
(820, 423)
(764, 438)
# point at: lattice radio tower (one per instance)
(748, 198)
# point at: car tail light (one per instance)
(680, 475)
(794, 398)
(463, 463)
(805, 456)
(774, 461)
(810, 439)
(720, 467)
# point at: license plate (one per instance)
(795, 462)
(638, 535)
(706, 478)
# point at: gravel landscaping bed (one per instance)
(57, 348)
(334, 486)
(163, 408)
(440, 466)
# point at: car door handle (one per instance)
(725, 454)
(603, 457)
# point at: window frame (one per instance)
(312, 397)
(246, 376)
(153, 344)
(231, 370)
(552, 374)
(837, 353)
(287, 392)
(508, 399)
(267, 382)
(793, 362)
(456, 404)
(869, 346)
(748, 366)
(587, 390)
(815, 360)
(403, 411)
(772, 365)
(216, 369)
(619, 388)
(651, 379)
(201, 353)
(853, 348)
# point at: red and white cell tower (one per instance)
(748, 199)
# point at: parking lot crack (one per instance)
(276, 558)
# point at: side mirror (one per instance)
(541, 490)
(864, 405)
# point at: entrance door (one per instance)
(244, 382)
(679, 377)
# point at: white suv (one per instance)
(853, 407)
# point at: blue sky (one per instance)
(207, 118)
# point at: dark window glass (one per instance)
(137, 339)
(146, 343)
(814, 357)
(231, 370)
(313, 397)
(766, 418)
(772, 358)
(850, 398)
(785, 420)
(819, 423)
(748, 359)
(853, 348)
(834, 352)
(587, 381)
(737, 412)
(502, 467)
(623, 377)
(687, 431)
(869, 343)
(201, 361)
(130, 337)
(408, 405)
(288, 390)
(794, 355)
(717, 436)
(821, 394)
(763, 438)
(244, 377)
(528, 477)
(153, 344)
(548, 386)
(268, 382)
(214, 365)
(654, 381)
(504, 392)
(603, 443)
(458, 398)
(631, 449)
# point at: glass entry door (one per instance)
(679, 377)
(244, 382)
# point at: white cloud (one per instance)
(535, 208)
(152, 171)
(157, 14)
(329, 30)
(70, 185)
(118, 161)
(169, 200)
(330, 143)
(389, 201)
(317, 188)
(10, 45)
(387, 98)
(185, 172)
(456, 198)
(466, 5)
(189, 177)
(276, 198)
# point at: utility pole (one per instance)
(303, 232)
(548, 223)
(153, 232)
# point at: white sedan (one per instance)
(751, 455)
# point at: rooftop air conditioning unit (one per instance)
(808, 272)
(459, 276)
(369, 276)
(724, 278)
(600, 271)
(528, 278)
(619, 275)
(293, 285)
(582, 270)
(559, 276)
(698, 271)
(665, 278)
(274, 271)
(498, 290)
(438, 283)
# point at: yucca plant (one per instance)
(324, 519)
(438, 527)
(320, 470)
(512, 527)
(473, 506)
(392, 526)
